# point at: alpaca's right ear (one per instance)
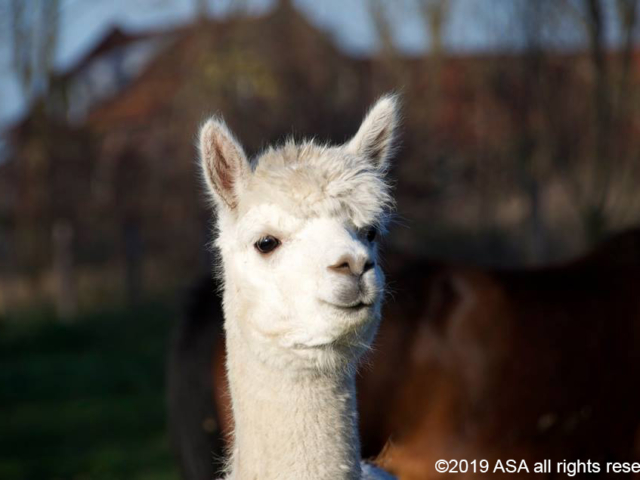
(223, 162)
(376, 135)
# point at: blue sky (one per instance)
(473, 25)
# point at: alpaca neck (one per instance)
(302, 427)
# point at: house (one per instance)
(496, 163)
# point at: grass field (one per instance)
(85, 400)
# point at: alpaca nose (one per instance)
(352, 265)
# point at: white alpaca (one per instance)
(296, 230)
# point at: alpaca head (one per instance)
(297, 232)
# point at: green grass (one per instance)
(85, 400)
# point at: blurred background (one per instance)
(520, 146)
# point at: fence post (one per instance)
(64, 279)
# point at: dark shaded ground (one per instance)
(85, 400)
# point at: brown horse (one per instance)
(470, 364)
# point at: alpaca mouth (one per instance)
(351, 331)
(352, 307)
(356, 306)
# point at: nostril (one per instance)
(368, 266)
(343, 267)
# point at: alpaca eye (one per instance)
(372, 233)
(267, 244)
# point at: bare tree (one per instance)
(381, 16)
(611, 85)
(531, 142)
(389, 69)
(34, 27)
(435, 14)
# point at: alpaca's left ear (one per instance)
(376, 135)
(224, 165)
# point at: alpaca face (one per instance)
(298, 236)
(313, 301)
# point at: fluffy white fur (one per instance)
(299, 318)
